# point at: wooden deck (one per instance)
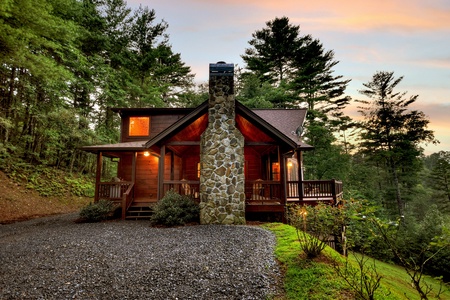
(261, 195)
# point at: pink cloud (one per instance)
(405, 15)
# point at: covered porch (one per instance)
(261, 195)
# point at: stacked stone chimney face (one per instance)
(222, 196)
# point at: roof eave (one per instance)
(267, 126)
(178, 125)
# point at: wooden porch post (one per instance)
(300, 175)
(172, 162)
(161, 172)
(98, 175)
(282, 161)
(333, 191)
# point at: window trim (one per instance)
(129, 133)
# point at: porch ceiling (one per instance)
(193, 131)
(251, 132)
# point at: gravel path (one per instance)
(54, 258)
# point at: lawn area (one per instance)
(316, 278)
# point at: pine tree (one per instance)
(300, 66)
(391, 133)
(440, 179)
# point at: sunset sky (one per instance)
(409, 37)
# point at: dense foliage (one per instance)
(64, 63)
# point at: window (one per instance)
(275, 171)
(139, 126)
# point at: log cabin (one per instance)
(234, 161)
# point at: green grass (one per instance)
(316, 279)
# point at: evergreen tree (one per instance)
(314, 82)
(298, 65)
(328, 160)
(161, 74)
(391, 134)
(272, 51)
(37, 38)
(439, 179)
(63, 63)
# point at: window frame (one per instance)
(129, 133)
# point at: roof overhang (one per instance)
(291, 142)
(178, 126)
(129, 146)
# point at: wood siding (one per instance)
(172, 167)
(252, 164)
(146, 175)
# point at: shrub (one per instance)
(364, 279)
(175, 209)
(98, 211)
(315, 225)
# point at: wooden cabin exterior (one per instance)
(159, 150)
(221, 153)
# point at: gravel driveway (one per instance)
(54, 258)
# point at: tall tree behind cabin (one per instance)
(392, 134)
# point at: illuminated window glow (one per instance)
(139, 126)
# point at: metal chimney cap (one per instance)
(221, 68)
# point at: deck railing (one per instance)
(112, 190)
(120, 192)
(263, 192)
(316, 190)
(267, 191)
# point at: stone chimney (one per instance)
(222, 196)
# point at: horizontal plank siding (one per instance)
(146, 177)
(160, 123)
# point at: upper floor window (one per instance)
(139, 126)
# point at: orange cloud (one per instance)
(352, 14)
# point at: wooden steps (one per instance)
(140, 211)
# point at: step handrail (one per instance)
(127, 199)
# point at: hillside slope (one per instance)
(17, 203)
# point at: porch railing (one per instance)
(263, 192)
(112, 190)
(189, 188)
(316, 190)
(119, 192)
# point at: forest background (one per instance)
(65, 63)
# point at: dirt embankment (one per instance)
(17, 203)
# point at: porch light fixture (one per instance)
(146, 153)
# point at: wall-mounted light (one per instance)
(146, 153)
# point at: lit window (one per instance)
(275, 171)
(139, 126)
